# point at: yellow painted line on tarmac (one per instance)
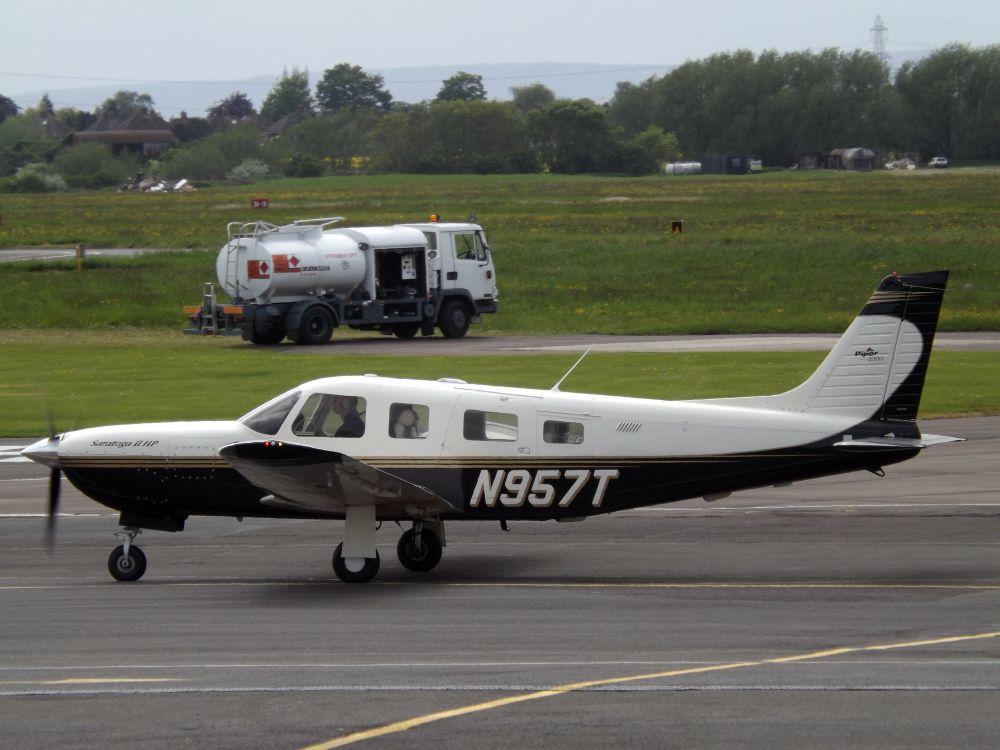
(417, 721)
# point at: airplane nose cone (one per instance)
(45, 451)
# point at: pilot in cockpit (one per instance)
(346, 407)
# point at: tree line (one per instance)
(772, 105)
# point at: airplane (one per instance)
(369, 449)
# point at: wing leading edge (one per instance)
(303, 478)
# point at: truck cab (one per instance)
(461, 268)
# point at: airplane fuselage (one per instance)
(532, 455)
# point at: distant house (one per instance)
(278, 127)
(142, 133)
(730, 164)
(54, 128)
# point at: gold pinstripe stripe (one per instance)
(432, 462)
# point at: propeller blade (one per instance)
(55, 480)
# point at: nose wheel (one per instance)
(127, 562)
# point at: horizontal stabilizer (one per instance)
(874, 444)
(303, 478)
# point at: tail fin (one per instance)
(877, 368)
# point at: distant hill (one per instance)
(567, 80)
(416, 84)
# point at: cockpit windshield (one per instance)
(267, 419)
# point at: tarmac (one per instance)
(843, 612)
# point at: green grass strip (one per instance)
(95, 379)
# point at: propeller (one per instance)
(55, 480)
(46, 451)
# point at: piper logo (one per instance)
(869, 354)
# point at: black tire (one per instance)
(427, 558)
(315, 326)
(367, 572)
(405, 330)
(129, 568)
(275, 336)
(454, 319)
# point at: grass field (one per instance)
(767, 253)
(773, 252)
(100, 379)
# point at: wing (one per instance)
(303, 478)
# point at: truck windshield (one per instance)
(267, 419)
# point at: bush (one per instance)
(304, 165)
(91, 165)
(248, 170)
(34, 178)
(215, 157)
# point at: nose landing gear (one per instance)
(128, 562)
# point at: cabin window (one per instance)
(469, 246)
(408, 421)
(489, 425)
(562, 432)
(331, 415)
(267, 419)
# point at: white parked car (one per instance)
(938, 161)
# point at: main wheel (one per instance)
(405, 330)
(454, 319)
(421, 559)
(343, 567)
(129, 567)
(315, 325)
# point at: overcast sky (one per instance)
(55, 44)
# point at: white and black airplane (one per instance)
(369, 449)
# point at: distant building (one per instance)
(278, 127)
(730, 164)
(142, 133)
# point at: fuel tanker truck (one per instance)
(302, 280)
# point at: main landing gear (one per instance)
(354, 561)
(419, 549)
(128, 562)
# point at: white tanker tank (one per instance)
(264, 262)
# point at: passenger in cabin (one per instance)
(474, 425)
(404, 423)
(346, 407)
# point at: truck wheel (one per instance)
(315, 325)
(454, 319)
(405, 330)
(274, 336)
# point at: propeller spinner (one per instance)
(46, 452)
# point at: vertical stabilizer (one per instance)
(876, 370)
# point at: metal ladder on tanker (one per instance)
(208, 321)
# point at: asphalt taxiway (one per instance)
(852, 611)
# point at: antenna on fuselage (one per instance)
(556, 386)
